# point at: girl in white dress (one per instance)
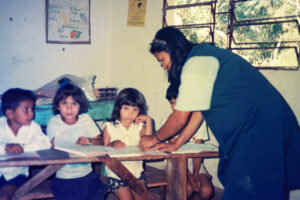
(129, 121)
(72, 124)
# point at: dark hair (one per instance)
(12, 98)
(67, 89)
(173, 41)
(172, 91)
(131, 97)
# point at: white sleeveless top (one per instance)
(130, 137)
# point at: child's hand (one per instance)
(53, 143)
(196, 184)
(83, 141)
(14, 148)
(143, 118)
(118, 144)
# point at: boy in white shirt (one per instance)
(18, 134)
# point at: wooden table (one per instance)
(54, 160)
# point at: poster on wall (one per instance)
(68, 21)
(136, 13)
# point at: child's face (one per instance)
(23, 114)
(128, 114)
(173, 102)
(69, 109)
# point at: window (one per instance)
(266, 33)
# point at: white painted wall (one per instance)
(131, 63)
(118, 54)
(27, 61)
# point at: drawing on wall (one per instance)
(68, 21)
(136, 13)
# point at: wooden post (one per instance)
(176, 179)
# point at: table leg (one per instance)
(176, 178)
(36, 180)
(117, 167)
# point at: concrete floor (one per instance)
(156, 192)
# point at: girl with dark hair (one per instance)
(131, 97)
(71, 124)
(68, 89)
(129, 121)
(257, 131)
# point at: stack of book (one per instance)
(105, 93)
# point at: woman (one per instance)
(257, 131)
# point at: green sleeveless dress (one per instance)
(258, 134)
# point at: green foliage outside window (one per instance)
(263, 32)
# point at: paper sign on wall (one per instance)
(136, 13)
(68, 21)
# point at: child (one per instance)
(18, 134)
(199, 182)
(71, 123)
(129, 121)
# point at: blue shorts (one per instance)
(88, 187)
(18, 181)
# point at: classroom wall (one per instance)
(132, 65)
(118, 54)
(27, 61)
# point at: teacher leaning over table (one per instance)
(258, 134)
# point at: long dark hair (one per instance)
(66, 89)
(131, 97)
(172, 91)
(173, 41)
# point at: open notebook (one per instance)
(9, 156)
(97, 150)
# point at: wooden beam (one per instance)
(36, 180)
(117, 167)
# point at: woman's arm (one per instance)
(189, 130)
(176, 121)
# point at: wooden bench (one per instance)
(154, 177)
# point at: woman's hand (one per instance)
(147, 142)
(14, 148)
(117, 144)
(166, 147)
(83, 141)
